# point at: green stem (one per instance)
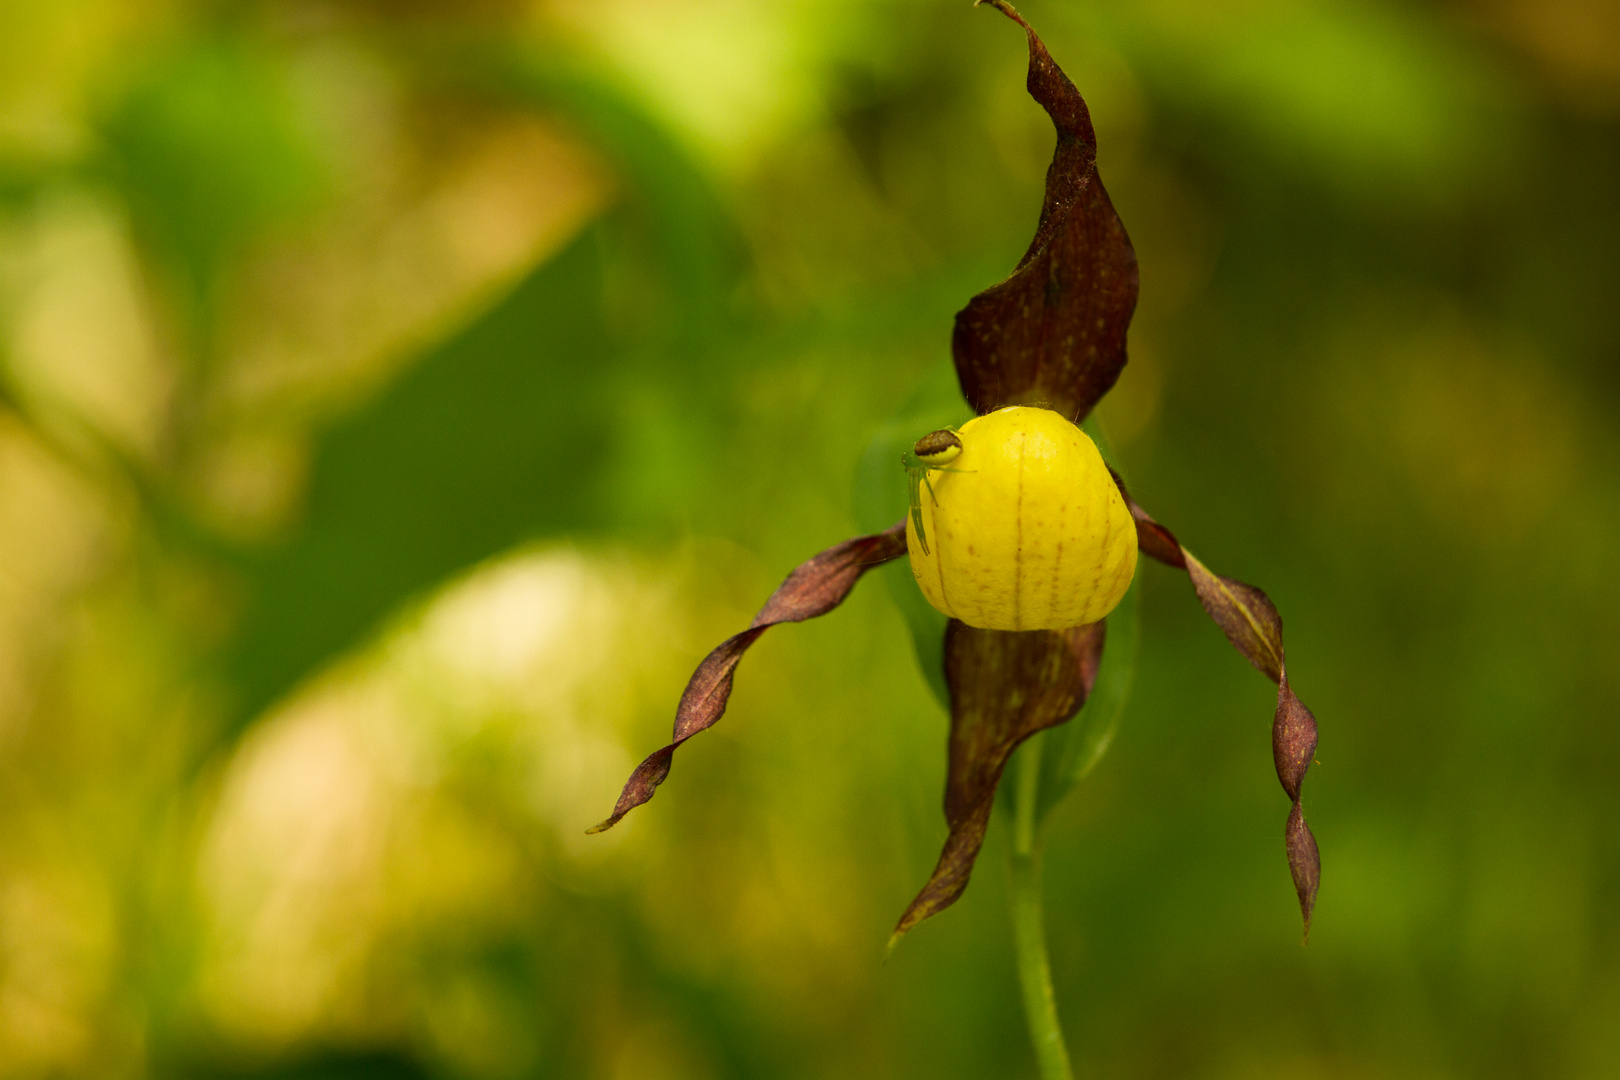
(1029, 930)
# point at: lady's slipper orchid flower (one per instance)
(1018, 530)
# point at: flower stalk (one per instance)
(1028, 911)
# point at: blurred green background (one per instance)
(397, 400)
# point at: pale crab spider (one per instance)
(931, 453)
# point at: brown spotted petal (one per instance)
(1251, 623)
(814, 588)
(1005, 686)
(1053, 333)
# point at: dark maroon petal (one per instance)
(1304, 863)
(1005, 686)
(1053, 333)
(1251, 623)
(814, 588)
(1244, 613)
(1293, 738)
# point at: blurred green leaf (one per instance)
(208, 149)
(517, 426)
(500, 434)
(675, 298)
(23, 179)
(698, 247)
(1368, 97)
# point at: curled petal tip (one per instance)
(1304, 864)
(1006, 9)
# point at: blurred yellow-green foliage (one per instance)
(400, 398)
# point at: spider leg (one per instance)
(916, 477)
